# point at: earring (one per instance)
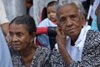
(30, 44)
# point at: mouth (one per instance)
(51, 18)
(16, 45)
(71, 30)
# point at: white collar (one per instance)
(81, 39)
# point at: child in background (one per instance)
(49, 21)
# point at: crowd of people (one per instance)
(77, 44)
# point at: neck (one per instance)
(73, 40)
(28, 51)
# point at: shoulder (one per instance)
(92, 39)
(45, 20)
(92, 34)
(42, 52)
(43, 49)
(44, 23)
(41, 57)
(91, 51)
(92, 43)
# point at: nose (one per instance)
(69, 23)
(14, 38)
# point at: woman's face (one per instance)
(20, 36)
(70, 19)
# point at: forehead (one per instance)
(51, 8)
(18, 28)
(67, 9)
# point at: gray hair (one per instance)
(66, 2)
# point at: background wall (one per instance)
(14, 8)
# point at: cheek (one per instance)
(25, 40)
(48, 15)
(55, 16)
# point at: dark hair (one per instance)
(52, 3)
(25, 20)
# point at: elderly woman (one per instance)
(23, 51)
(78, 46)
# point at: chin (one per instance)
(17, 49)
(72, 34)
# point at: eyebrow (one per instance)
(15, 33)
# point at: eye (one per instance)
(11, 34)
(62, 20)
(73, 16)
(19, 34)
(48, 12)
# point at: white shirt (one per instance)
(82, 1)
(3, 17)
(76, 51)
(46, 23)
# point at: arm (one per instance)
(61, 41)
(5, 28)
(98, 16)
(90, 54)
(4, 21)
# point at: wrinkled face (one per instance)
(70, 19)
(20, 36)
(51, 14)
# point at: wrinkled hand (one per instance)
(8, 39)
(61, 37)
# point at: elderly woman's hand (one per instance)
(8, 39)
(61, 37)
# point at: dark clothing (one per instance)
(90, 54)
(41, 58)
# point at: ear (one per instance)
(83, 19)
(32, 37)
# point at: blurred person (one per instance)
(23, 50)
(96, 21)
(29, 3)
(5, 58)
(49, 21)
(77, 45)
(94, 7)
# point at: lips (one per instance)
(16, 45)
(71, 30)
(51, 18)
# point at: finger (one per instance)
(63, 31)
(58, 30)
(58, 24)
